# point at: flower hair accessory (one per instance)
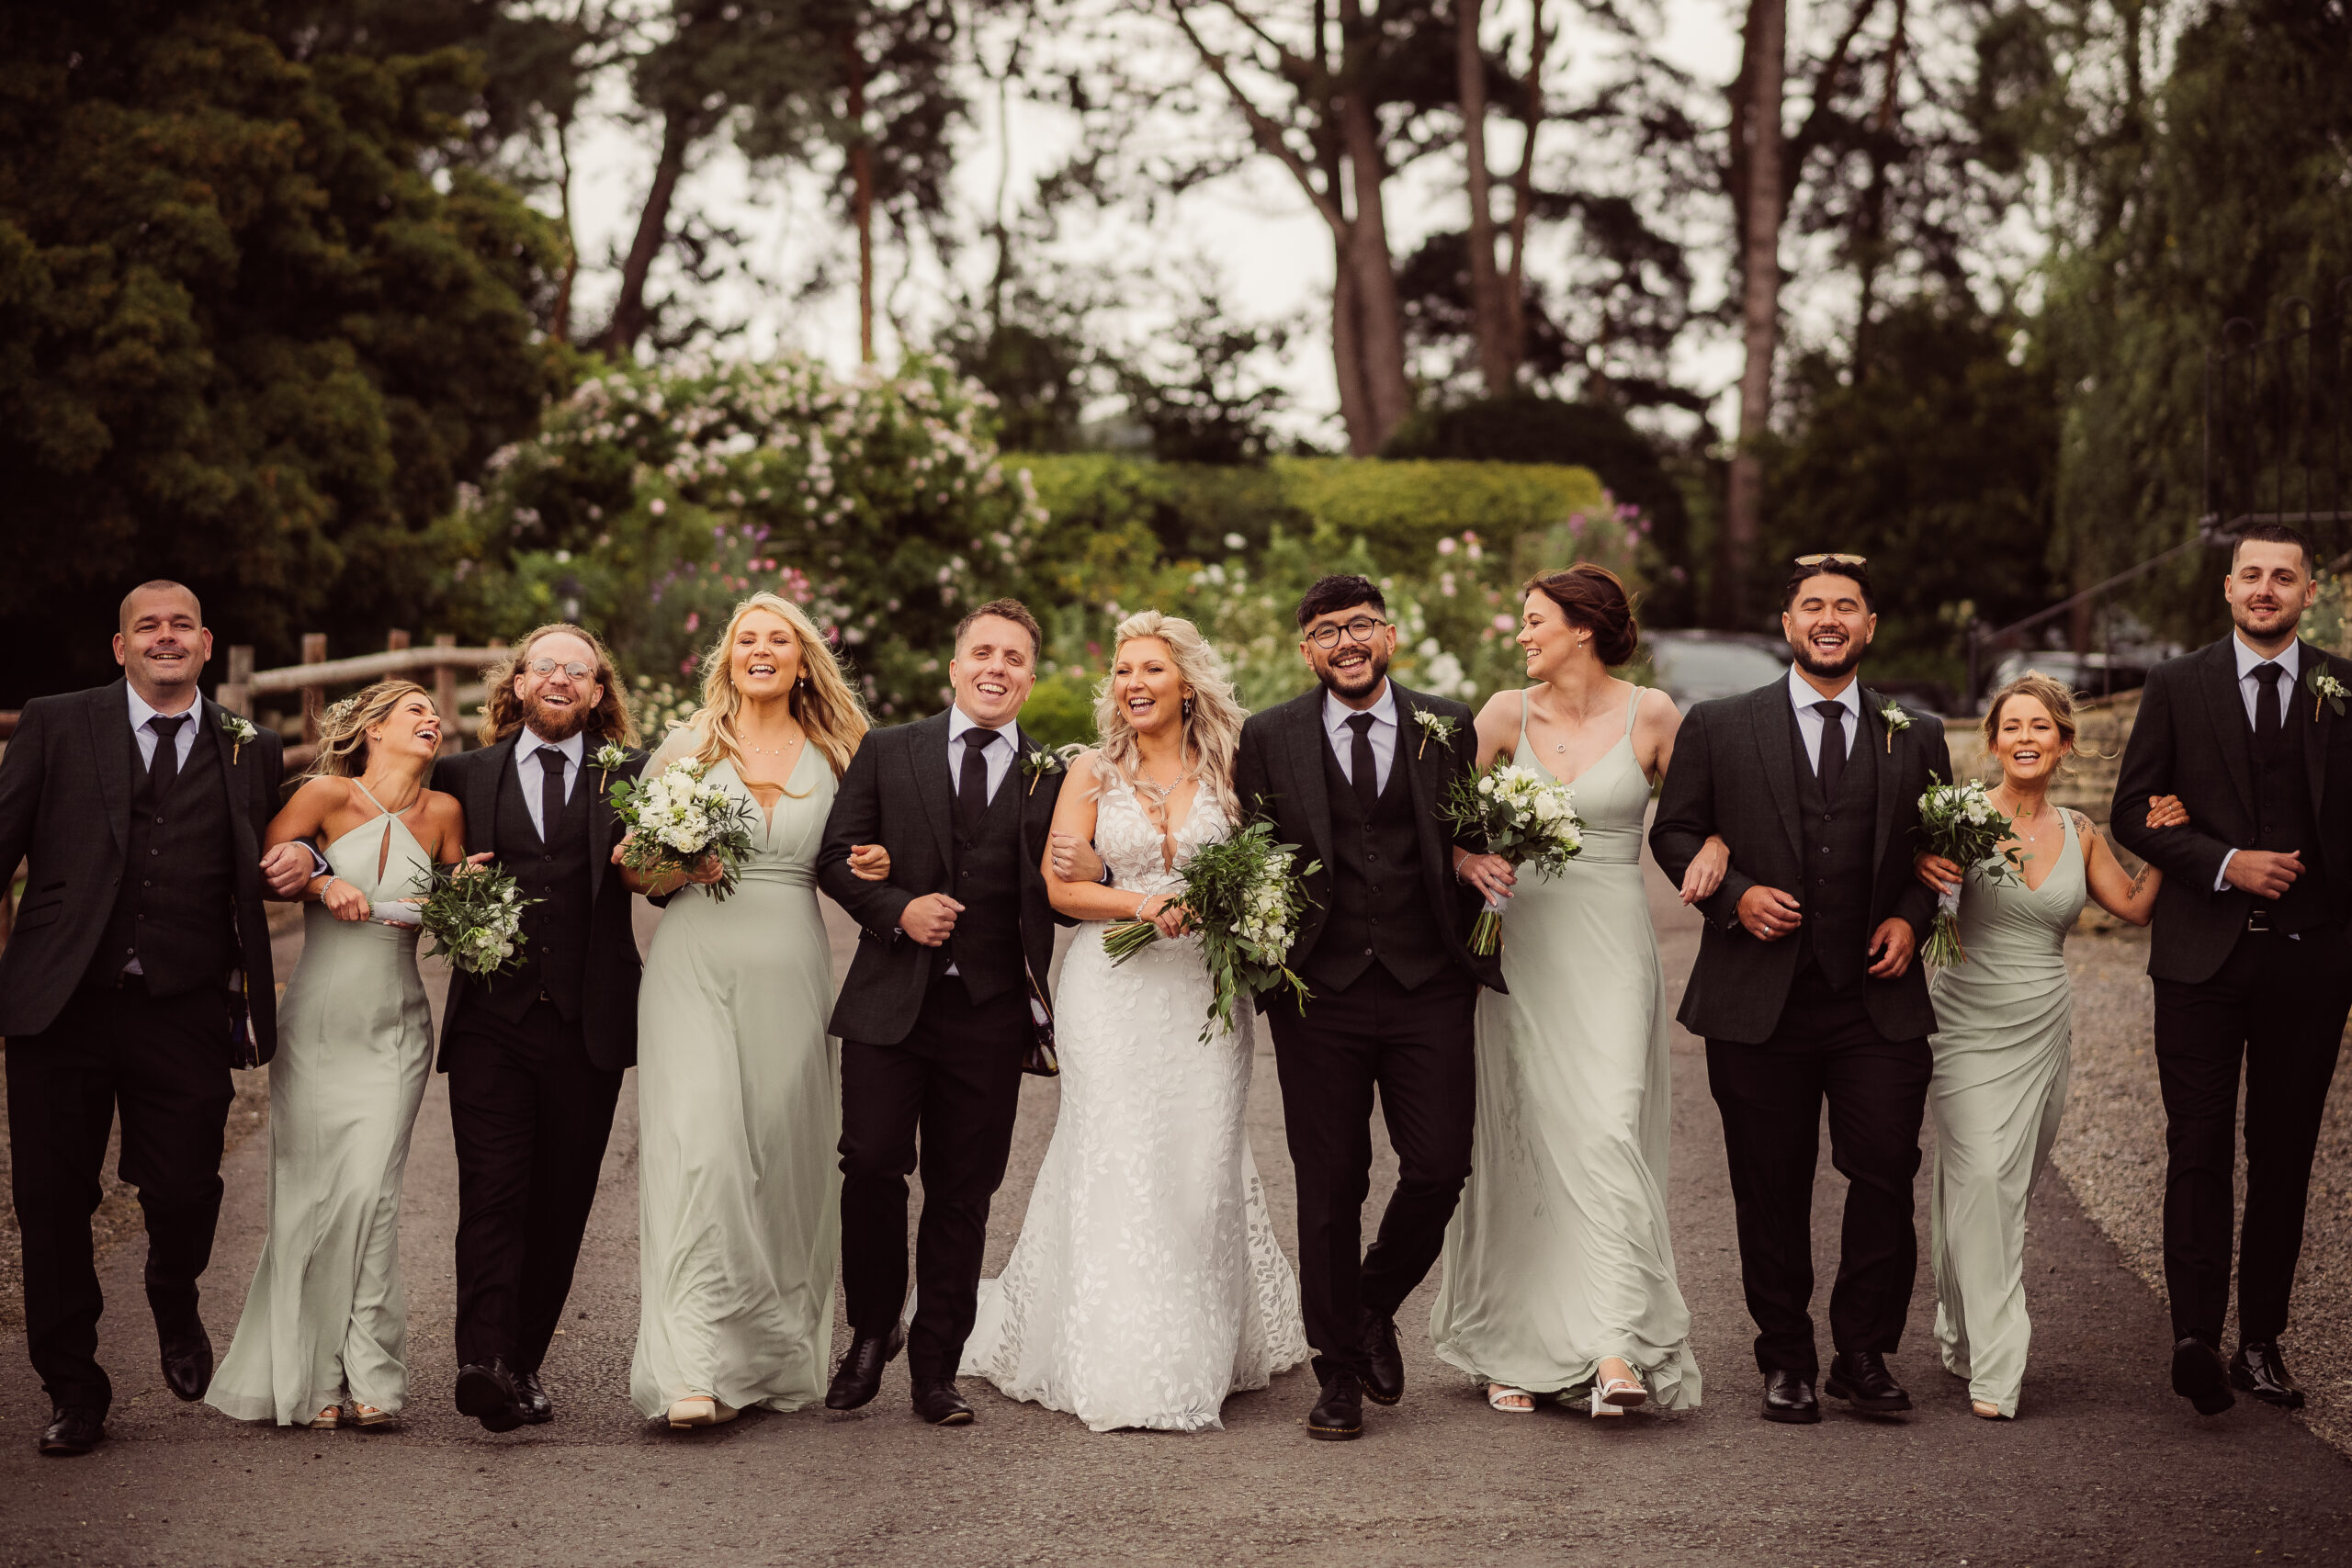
(241, 733)
(1896, 720)
(1434, 727)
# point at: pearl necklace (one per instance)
(788, 747)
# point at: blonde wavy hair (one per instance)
(343, 729)
(1212, 730)
(502, 710)
(823, 701)
(2051, 692)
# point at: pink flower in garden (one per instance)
(1505, 622)
(686, 665)
(1446, 545)
(1575, 522)
(693, 619)
(659, 506)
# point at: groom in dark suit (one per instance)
(1353, 773)
(1805, 987)
(535, 1057)
(935, 1017)
(138, 974)
(2249, 955)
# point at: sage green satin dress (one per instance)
(2002, 1055)
(1558, 1254)
(739, 1124)
(326, 1318)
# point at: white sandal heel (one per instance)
(699, 1410)
(1620, 1393)
(1601, 1407)
(1499, 1392)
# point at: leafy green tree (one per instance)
(251, 338)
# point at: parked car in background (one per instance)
(1694, 665)
(2089, 674)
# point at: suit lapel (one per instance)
(1890, 786)
(2225, 709)
(1774, 722)
(111, 738)
(1414, 760)
(932, 785)
(2310, 659)
(600, 823)
(1308, 745)
(481, 794)
(236, 783)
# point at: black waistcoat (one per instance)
(2283, 819)
(176, 908)
(1838, 837)
(1379, 908)
(985, 945)
(555, 930)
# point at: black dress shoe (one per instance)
(487, 1393)
(2198, 1377)
(939, 1404)
(1862, 1379)
(1339, 1415)
(859, 1377)
(1789, 1398)
(72, 1432)
(187, 1358)
(2261, 1370)
(532, 1399)
(1384, 1371)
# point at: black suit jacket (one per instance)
(1734, 773)
(608, 1009)
(2191, 740)
(65, 790)
(1278, 775)
(898, 792)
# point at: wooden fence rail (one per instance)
(317, 673)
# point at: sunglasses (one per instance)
(1831, 557)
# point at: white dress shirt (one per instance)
(1336, 715)
(532, 772)
(2291, 661)
(998, 757)
(1810, 724)
(184, 740)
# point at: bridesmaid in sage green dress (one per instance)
(737, 1084)
(324, 1322)
(2002, 1050)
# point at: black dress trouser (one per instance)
(1419, 1048)
(164, 1061)
(944, 1097)
(1825, 1048)
(531, 1114)
(2277, 1005)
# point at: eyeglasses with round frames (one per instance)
(577, 671)
(1360, 629)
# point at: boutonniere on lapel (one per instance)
(1047, 760)
(1434, 727)
(1896, 719)
(2324, 688)
(241, 733)
(609, 757)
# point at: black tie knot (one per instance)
(1831, 713)
(2269, 674)
(978, 740)
(1361, 724)
(167, 725)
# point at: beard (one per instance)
(1850, 654)
(2275, 620)
(1365, 679)
(556, 724)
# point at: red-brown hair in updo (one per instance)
(1592, 597)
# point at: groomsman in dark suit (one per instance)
(1804, 988)
(934, 1019)
(2250, 953)
(137, 976)
(1353, 773)
(535, 1057)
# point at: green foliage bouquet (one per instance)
(1245, 901)
(1959, 822)
(473, 917)
(678, 817)
(1528, 818)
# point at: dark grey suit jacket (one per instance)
(65, 801)
(1278, 775)
(608, 1009)
(1734, 773)
(2191, 740)
(898, 792)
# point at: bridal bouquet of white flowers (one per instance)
(1960, 822)
(1245, 900)
(678, 817)
(1528, 817)
(473, 917)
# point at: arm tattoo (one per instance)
(2139, 881)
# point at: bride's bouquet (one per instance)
(473, 917)
(676, 818)
(1528, 817)
(1960, 822)
(1244, 899)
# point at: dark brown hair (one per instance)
(1856, 571)
(1012, 610)
(2266, 533)
(1593, 597)
(502, 710)
(1339, 592)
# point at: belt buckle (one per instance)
(2258, 918)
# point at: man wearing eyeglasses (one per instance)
(1353, 773)
(535, 1057)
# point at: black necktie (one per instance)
(550, 790)
(1833, 747)
(2267, 719)
(167, 765)
(972, 781)
(1363, 770)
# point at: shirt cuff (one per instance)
(2221, 876)
(319, 867)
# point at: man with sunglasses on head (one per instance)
(1804, 988)
(535, 1057)
(1353, 773)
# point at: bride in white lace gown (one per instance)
(1146, 1284)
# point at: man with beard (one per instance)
(1353, 773)
(2249, 956)
(535, 1057)
(1804, 988)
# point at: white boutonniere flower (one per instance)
(241, 733)
(2324, 688)
(1896, 720)
(1044, 760)
(609, 757)
(1434, 727)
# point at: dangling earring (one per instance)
(1188, 710)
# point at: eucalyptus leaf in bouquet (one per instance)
(1960, 822)
(1526, 817)
(676, 818)
(472, 916)
(1244, 900)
